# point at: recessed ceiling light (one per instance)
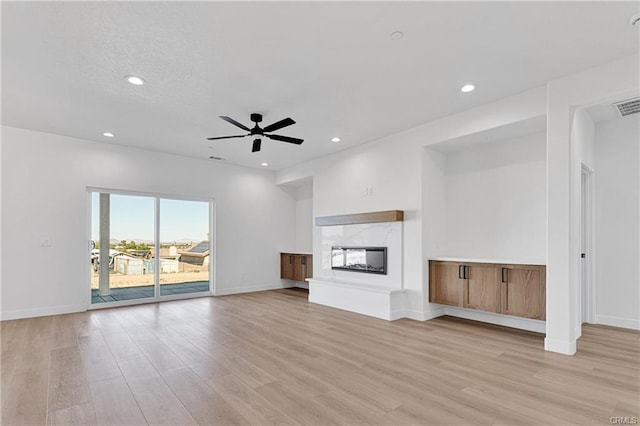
(264, 164)
(397, 35)
(108, 134)
(467, 88)
(134, 79)
(336, 139)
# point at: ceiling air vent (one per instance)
(628, 107)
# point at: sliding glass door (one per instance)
(148, 247)
(123, 237)
(184, 246)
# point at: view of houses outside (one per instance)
(184, 241)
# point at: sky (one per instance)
(132, 218)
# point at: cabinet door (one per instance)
(299, 267)
(482, 289)
(286, 266)
(445, 283)
(524, 291)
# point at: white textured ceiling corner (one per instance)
(331, 66)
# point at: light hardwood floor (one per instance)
(273, 358)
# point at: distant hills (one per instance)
(181, 241)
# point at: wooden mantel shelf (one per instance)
(371, 217)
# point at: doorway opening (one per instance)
(587, 247)
(146, 247)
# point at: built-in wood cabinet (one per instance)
(450, 285)
(524, 291)
(518, 290)
(296, 266)
(482, 287)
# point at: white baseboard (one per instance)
(497, 319)
(633, 324)
(577, 332)
(299, 284)
(251, 289)
(560, 346)
(424, 315)
(395, 315)
(42, 312)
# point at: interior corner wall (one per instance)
(375, 177)
(304, 218)
(617, 181)
(433, 216)
(1, 219)
(593, 86)
(583, 153)
(496, 200)
(44, 196)
(433, 203)
(401, 172)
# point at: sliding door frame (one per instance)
(213, 252)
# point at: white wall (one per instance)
(618, 222)
(44, 181)
(434, 199)
(304, 218)
(376, 177)
(496, 200)
(390, 174)
(612, 81)
(582, 145)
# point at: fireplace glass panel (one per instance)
(360, 259)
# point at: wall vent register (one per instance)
(628, 107)
(372, 260)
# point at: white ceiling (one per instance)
(331, 66)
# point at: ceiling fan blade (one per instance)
(285, 139)
(226, 137)
(256, 145)
(279, 125)
(235, 123)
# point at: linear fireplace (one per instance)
(372, 260)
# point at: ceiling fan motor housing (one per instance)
(256, 118)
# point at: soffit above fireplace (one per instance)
(371, 217)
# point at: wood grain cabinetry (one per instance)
(518, 290)
(448, 277)
(524, 291)
(296, 266)
(482, 287)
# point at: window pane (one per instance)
(122, 231)
(185, 251)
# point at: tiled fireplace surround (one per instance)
(381, 296)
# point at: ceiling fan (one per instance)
(259, 132)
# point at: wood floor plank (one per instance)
(114, 403)
(204, 404)
(80, 415)
(247, 401)
(97, 359)
(273, 358)
(159, 404)
(24, 398)
(68, 384)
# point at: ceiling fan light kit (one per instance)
(259, 132)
